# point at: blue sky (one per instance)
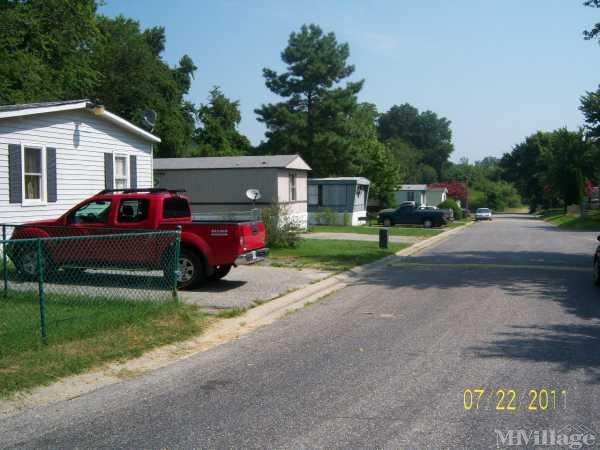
(499, 70)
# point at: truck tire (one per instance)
(26, 264)
(387, 222)
(427, 223)
(220, 272)
(191, 269)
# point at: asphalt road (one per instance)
(383, 363)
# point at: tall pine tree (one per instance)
(315, 119)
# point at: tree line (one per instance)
(557, 168)
(64, 49)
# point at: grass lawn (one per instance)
(573, 221)
(406, 230)
(83, 332)
(329, 254)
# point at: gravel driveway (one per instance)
(246, 284)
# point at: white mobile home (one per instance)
(345, 197)
(54, 155)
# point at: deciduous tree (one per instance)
(134, 78)
(218, 134)
(46, 48)
(429, 134)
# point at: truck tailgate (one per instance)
(253, 234)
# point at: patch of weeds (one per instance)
(230, 312)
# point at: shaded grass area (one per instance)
(363, 229)
(83, 332)
(565, 221)
(404, 230)
(329, 254)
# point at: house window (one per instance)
(292, 178)
(121, 172)
(410, 195)
(33, 174)
(313, 194)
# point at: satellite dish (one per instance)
(149, 119)
(253, 194)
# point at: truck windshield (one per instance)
(92, 212)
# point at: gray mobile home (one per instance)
(219, 184)
(344, 196)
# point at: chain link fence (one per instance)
(52, 276)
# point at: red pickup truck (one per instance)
(208, 248)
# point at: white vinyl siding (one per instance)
(80, 139)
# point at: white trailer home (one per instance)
(54, 155)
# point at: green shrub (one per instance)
(347, 219)
(450, 203)
(280, 229)
(327, 217)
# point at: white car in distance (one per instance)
(483, 214)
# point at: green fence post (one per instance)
(176, 265)
(4, 261)
(40, 267)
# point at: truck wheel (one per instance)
(191, 269)
(220, 272)
(427, 223)
(387, 223)
(27, 268)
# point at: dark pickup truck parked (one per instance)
(209, 248)
(410, 214)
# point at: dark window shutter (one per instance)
(132, 171)
(108, 171)
(15, 180)
(51, 173)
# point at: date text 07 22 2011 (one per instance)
(542, 399)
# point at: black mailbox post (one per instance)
(383, 237)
